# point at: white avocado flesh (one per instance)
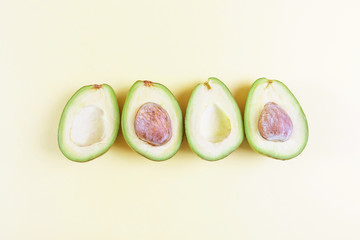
(151, 94)
(262, 93)
(89, 123)
(213, 122)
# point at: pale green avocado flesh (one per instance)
(89, 123)
(141, 126)
(213, 122)
(270, 105)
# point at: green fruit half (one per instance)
(89, 123)
(213, 122)
(152, 122)
(275, 124)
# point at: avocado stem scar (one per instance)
(269, 83)
(147, 83)
(207, 85)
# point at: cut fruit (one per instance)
(89, 123)
(275, 124)
(213, 122)
(152, 122)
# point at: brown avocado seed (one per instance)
(153, 124)
(274, 123)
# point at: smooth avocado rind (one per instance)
(152, 121)
(89, 123)
(213, 122)
(275, 124)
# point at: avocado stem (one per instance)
(207, 85)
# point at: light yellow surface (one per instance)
(49, 49)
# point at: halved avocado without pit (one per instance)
(152, 122)
(213, 122)
(275, 124)
(89, 123)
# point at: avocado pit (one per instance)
(153, 124)
(274, 123)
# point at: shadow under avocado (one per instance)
(240, 95)
(52, 126)
(120, 142)
(183, 99)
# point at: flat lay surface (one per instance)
(50, 49)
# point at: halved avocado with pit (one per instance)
(89, 123)
(152, 122)
(275, 124)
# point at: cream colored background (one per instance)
(49, 49)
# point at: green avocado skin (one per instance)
(247, 120)
(187, 122)
(124, 127)
(63, 115)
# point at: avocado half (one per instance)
(275, 124)
(152, 122)
(89, 123)
(213, 122)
